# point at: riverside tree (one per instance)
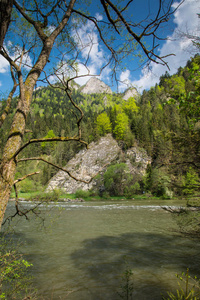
(47, 33)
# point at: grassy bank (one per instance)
(58, 195)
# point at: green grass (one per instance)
(26, 195)
(59, 195)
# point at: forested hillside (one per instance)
(165, 121)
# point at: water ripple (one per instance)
(71, 206)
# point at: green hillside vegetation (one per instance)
(165, 121)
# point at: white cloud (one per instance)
(66, 71)
(85, 73)
(89, 45)
(187, 21)
(99, 17)
(92, 56)
(14, 54)
(4, 65)
(91, 71)
(124, 80)
(105, 74)
(26, 60)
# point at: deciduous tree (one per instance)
(103, 124)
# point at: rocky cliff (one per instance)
(87, 163)
(132, 92)
(94, 85)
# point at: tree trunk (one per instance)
(5, 14)
(8, 162)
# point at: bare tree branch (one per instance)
(24, 177)
(55, 139)
(19, 211)
(62, 169)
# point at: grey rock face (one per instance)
(94, 85)
(132, 92)
(87, 163)
(137, 160)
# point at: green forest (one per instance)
(164, 120)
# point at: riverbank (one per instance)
(58, 196)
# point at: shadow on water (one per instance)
(152, 257)
(76, 255)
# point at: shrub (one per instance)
(157, 182)
(47, 197)
(27, 186)
(15, 283)
(132, 190)
(191, 183)
(188, 288)
(82, 194)
(127, 287)
(114, 179)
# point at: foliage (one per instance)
(15, 282)
(190, 103)
(157, 182)
(48, 147)
(82, 194)
(188, 221)
(52, 196)
(189, 288)
(103, 124)
(121, 126)
(117, 179)
(127, 288)
(191, 182)
(26, 186)
(131, 190)
(130, 107)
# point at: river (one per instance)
(83, 249)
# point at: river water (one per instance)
(83, 249)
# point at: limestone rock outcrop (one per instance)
(95, 85)
(132, 92)
(87, 163)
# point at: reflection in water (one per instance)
(90, 245)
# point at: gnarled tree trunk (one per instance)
(8, 163)
(14, 142)
(5, 15)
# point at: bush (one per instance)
(188, 288)
(157, 182)
(127, 287)
(82, 194)
(27, 186)
(15, 283)
(191, 183)
(47, 197)
(132, 190)
(115, 178)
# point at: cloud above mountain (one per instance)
(187, 22)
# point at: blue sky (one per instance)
(184, 20)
